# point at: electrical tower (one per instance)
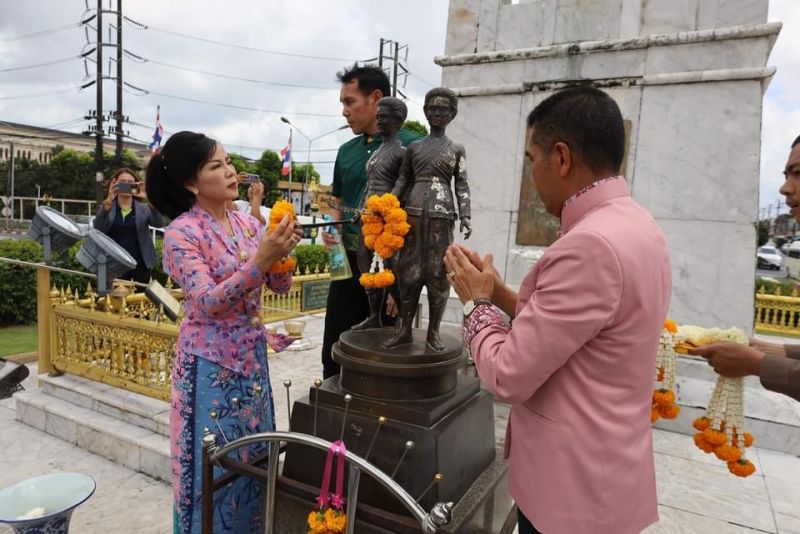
(392, 57)
(97, 115)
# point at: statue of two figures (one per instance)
(420, 176)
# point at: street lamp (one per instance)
(308, 157)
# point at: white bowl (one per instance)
(51, 496)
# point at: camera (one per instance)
(253, 178)
(125, 187)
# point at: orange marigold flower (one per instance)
(742, 467)
(396, 216)
(384, 278)
(702, 443)
(316, 521)
(335, 521)
(372, 228)
(715, 437)
(654, 414)
(279, 209)
(670, 326)
(286, 265)
(369, 241)
(663, 397)
(368, 218)
(728, 453)
(701, 423)
(669, 411)
(659, 374)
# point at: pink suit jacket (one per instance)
(577, 366)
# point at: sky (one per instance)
(313, 40)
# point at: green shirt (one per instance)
(350, 175)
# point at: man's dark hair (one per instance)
(369, 77)
(587, 120)
(796, 142)
(168, 172)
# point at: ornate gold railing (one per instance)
(122, 339)
(777, 314)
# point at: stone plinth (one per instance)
(445, 414)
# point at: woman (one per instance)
(220, 377)
(125, 217)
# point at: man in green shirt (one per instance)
(362, 88)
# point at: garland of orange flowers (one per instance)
(721, 428)
(383, 226)
(279, 210)
(331, 521)
(664, 394)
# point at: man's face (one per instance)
(546, 177)
(359, 110)
(791, 186)
(438, 112)
(388, 123)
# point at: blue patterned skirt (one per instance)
(205, 394)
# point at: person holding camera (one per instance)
(126, 217)
(255, 197)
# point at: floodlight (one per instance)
(55, 231)
(102, 256)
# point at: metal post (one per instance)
(118, 153)
(98, 137)
(394, 68)
(290, 168)
(12, 181)
(270, 487)
(43, 318)
(305, 181)
(354, 476)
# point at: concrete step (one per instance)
(772, 418)
(118, 403)
(115, 439)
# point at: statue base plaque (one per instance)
(425, 400)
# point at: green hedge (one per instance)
(311, 257)
(770, 286)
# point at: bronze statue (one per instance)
(425, 192)
(383, 169)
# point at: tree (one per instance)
(239, 163)
(763, 231)
(416, 126)
(268, 166)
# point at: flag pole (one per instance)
(291, 200)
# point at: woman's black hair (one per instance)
(176, 165)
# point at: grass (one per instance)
(17, 339)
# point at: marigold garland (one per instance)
(663, 404)
(383, 226)
(720, 429)
(280, 209)
(331, 521)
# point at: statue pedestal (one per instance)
(446, 414)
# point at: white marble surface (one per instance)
(676, 521)
(727, 13)
(669, 16)
(462, 27)
(520, 25)
(707, 145)
(581, 20)
(712, 55)
(712, 272)
(630, 19)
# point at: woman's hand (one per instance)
(141, 192)
(112, 195)
(255, 193)
(277, 244)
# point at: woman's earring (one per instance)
(192, 190)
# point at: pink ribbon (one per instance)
(338, 451)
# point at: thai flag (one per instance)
(286, 156)
(155, 143)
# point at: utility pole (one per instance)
(98, 134)
(120, 133)
(392, 51)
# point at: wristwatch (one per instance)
(471, 304)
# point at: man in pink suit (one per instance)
(577, 362)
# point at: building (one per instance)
(36, 143)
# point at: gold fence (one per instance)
(123, 340)
(777, 314)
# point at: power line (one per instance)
(141, 26)
(40, 33)
(145, 92)
(420, 79)
(37, 65)
(46, 93)
(142, 59)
